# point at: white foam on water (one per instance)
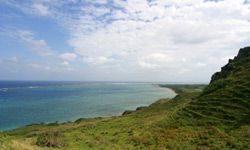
(4, 89)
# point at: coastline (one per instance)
(170, 89)
(125, 112)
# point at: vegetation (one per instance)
(5, 142)
(216, 118)
(226, 99)
(50, 139)
(182, 88)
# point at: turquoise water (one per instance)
(23, 103)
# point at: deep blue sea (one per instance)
(27, 102)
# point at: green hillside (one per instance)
(214, 117)
(227, 99)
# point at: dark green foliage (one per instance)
(126, 112)
(50, 139)
(239, 63)
(80, 120)
(53, 124)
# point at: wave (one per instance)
(33, 87)
(4, 89)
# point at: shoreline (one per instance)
(125, 112)
(170, 89)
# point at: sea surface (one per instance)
(27, 102)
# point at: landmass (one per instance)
(214, 116)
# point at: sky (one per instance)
(120, 40)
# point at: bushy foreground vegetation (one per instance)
(216, 118)
(50, 139)
(5, 142)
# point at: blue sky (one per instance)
(120, 40)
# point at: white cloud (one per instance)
(187, 37)
(68, 56)
(97, 1)
(155, 61)
(200, 64)
(40, 66)
(65, 63)
(97, 60)
(96, 11)
(164, 33)
(36, 45)
(148, 65)
(158, 57)
(41, 9)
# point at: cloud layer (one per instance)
(180, 40)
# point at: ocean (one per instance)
(27, 102)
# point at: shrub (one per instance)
(5, 142)
(80, 120)
(50, 139)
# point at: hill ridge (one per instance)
(227, 98)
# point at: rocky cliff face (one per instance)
(233, 65)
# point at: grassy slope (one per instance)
(226, 100)
(217, 118)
